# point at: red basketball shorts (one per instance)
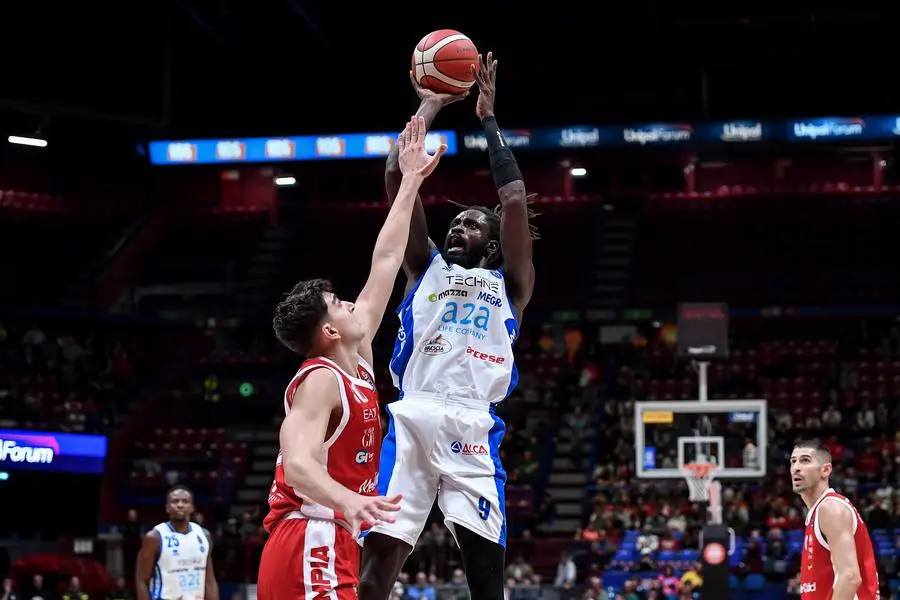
(307, 559)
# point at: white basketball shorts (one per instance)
(447, 449)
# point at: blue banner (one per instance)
(56, 452)
(275, 149)
(378, 145)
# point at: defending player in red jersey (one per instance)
(838, 561)
(327, 471)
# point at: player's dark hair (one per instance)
(298, 317)
(820, 448)
(179, 488)
(493, 219)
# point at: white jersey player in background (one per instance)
(453, 362)
(175, 561)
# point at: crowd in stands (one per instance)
(52, 379)
(59, 376)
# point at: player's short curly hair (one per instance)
(298, 317)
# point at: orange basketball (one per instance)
(442, 62)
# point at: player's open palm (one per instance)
(369, 511)
(414, 159)
(486, 78)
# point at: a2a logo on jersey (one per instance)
(458, 447)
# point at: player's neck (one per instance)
(345, 358)
(180, 526)
(812, 495)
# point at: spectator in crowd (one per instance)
(74, 591)
(7, 592)
(565, 572)
(120, 590)
(422, 590)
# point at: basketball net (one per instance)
(699, 477)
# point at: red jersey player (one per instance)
(838, 561)
(327, 472)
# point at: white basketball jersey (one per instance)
(180, 571)
(456, 336)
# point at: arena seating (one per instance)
(776, 250)
(803, 379)
(565, 422)
(45, 246)
(198, 247)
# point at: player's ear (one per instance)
(827, 468)
(492, 247)
(330, 332)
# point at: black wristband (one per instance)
(504, 167)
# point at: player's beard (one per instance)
(468, 259)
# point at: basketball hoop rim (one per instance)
(700, 471)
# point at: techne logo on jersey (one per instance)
(658, 134)
(473, 281)
(458, 447)
(48, 451)
(436, 346)
(828, 128)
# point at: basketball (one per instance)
(442, 62)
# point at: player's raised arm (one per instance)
(419, 246)
(146, 560)
(515, 234)
(302, 434)
(838, 524)
(390, 247)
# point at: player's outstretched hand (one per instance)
(427, 95)
(370, 510)
(486, 78)
(414, 159)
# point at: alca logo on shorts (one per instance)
(457, 447)
(436, 345)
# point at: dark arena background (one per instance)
(175, 166)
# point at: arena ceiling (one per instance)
(254, 67)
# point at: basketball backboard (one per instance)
(729, 433)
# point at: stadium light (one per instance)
(285, 180)
(578, 171)
(27, 141)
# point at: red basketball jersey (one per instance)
(817, 574)
(350, 454)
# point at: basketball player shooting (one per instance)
(452, 362)
(175, 561)
(838, 561)
(327, 468)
